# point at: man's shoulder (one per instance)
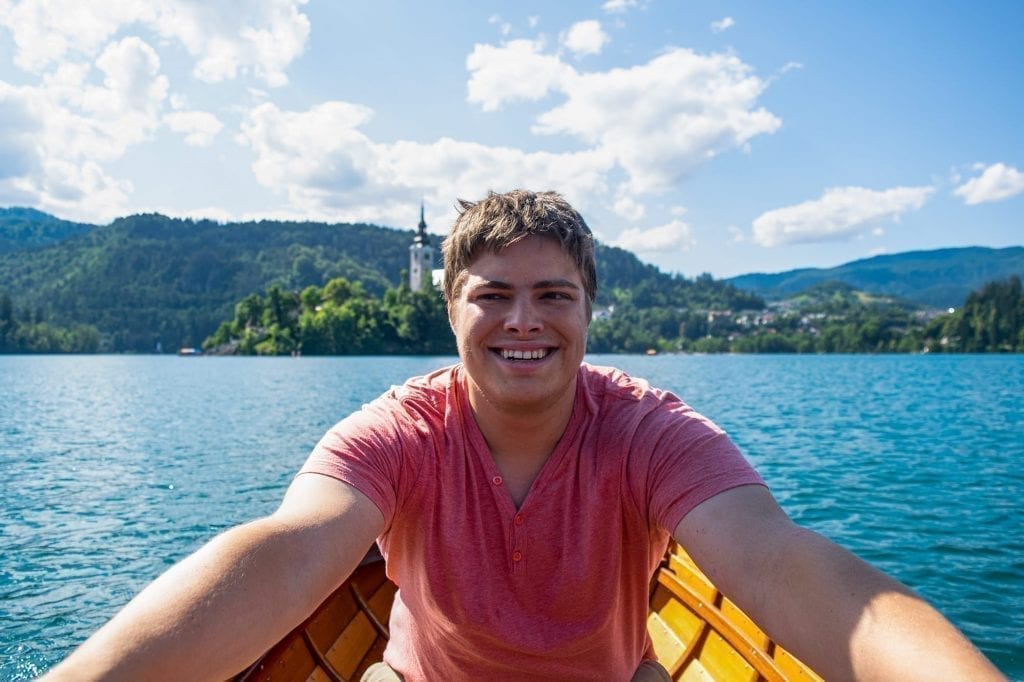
(421, 396)
(611, 383)
(438, 381)
(414, 410)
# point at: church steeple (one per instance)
(421, 230)
(421, 256)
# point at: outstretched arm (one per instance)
(216, 611)
(842, 617)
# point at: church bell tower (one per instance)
(421, 257)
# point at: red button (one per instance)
(496, 480)
(519, 519)
(517, 555)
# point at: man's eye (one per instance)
(558, 296)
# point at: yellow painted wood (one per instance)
(723, 662)
(670, 649)
(792, 668)
(695, 673)
(744, 624)
(348, 650)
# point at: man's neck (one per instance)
(521, 438)
(514, 430)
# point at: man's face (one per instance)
(520, 320)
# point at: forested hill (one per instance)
(149, 281)
(26, 228)
(146, 280)
(942, 278)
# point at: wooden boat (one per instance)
(697, 633)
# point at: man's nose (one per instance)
(523, 317)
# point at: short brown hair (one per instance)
(501, 220)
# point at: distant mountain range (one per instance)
(148, 281)
(940, 279)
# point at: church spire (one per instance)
(421, 231)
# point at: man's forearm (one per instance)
(214, 613)
(208, 616)
(850, 621)
(842, 617)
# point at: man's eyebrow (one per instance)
(556, 284)
(542, 284)
(491, 284)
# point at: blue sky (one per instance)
(721, 137)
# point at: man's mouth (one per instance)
(538, 354)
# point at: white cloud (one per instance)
(84, 121)
(613, 6)
(132, 80)
(327, 167)
(658, 120)
(585, 38)
(503, 26)
(840, 213)
(515, 71)
(75, 125)
(722, 24)
(198, 127)
(18, 151)
(672, 236)
(46, 31)
(996, 183)
(316, 153)
(33, 172)
(263, 39)
(81, 189)
(630, 209)
(663, 119)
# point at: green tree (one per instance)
(7, 322)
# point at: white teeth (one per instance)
(524, 354)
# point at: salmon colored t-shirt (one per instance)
(558, 588)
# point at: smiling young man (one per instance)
(522, 499)
(520, 318)
(528, 497)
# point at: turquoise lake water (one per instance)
(114, 467)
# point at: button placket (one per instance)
(518, 532)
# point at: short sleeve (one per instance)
(366, 451)
(689, 460)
